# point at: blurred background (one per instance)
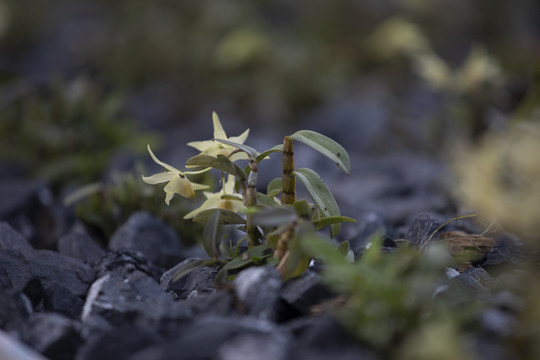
(86, 84)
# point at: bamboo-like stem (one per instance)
(282, 244)
(288, 181)
(251, 195)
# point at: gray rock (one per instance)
(220, 303)
(81, 247)
(12, 349)
(53, 297)
(421, 230)
(198, 281)
(15, 308)
(258, 290)
(124, 262)
(11, 239)
(209, 337)
(20, 266)
(148, 235)
(303, 292)
(135, 300)
(117, 343)
(53, 335)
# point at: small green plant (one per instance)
(274, 228)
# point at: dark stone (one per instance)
(367, 227)
(81, 247)
(15, 308)
(53, 335)
(258, 290)
(13, 349)
(200, 280)
(134, 300)
(210, 337)
(123, 262)
(327, 339)
(474, 281)
(11, 239)
(421, 230)
(216, 303)
(303, 292)
(117, 343)
(150, 236)
(53, 297)
(50, 267)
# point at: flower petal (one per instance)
(159, 178)
(199, 186)
(180, 185)
(201, 145)
(219, 133)
(166, 166)
(209, 203)
(240, 138)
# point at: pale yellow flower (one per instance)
(177, 182)
(214, 148)
(224, 199)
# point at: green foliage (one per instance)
(105, 207)
(389, 298)
(67, 134)
(274, 231)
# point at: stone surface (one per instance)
(135, 300)
(258, 290)
(12, 349)
(145, 233)
(123, 262)
(81, 247)
(15, 309)
(53, 335)
(53, 297)
(10, 239)
(303, 292)
(118, 343)
(20, 266)
(209, 337)
(421, 230)
(200, 280)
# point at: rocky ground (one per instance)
(78, 300)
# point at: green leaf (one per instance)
(186, 269)
(252, 153)
(274, 187)
(212, 235)
(264, 154)
(220, 162)
(264, 199)
(320, 223)
(304, 208)
(320, 194)
(325, 146)
(275, 216)
(226, 216)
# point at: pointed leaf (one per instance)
(274, 187)
(325, 146)
(226, 216)
(275, 216)
(252, 153)
(212, 235)
(264, 199)
(320, 223)
(220, 162)
(264, 154)
(320, 194)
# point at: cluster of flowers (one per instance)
(178, 182)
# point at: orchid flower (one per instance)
(214, 148)
(224, 199)
(177, 182)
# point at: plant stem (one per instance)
(251, 195)
(288, 181)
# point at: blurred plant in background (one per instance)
(67, 133)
